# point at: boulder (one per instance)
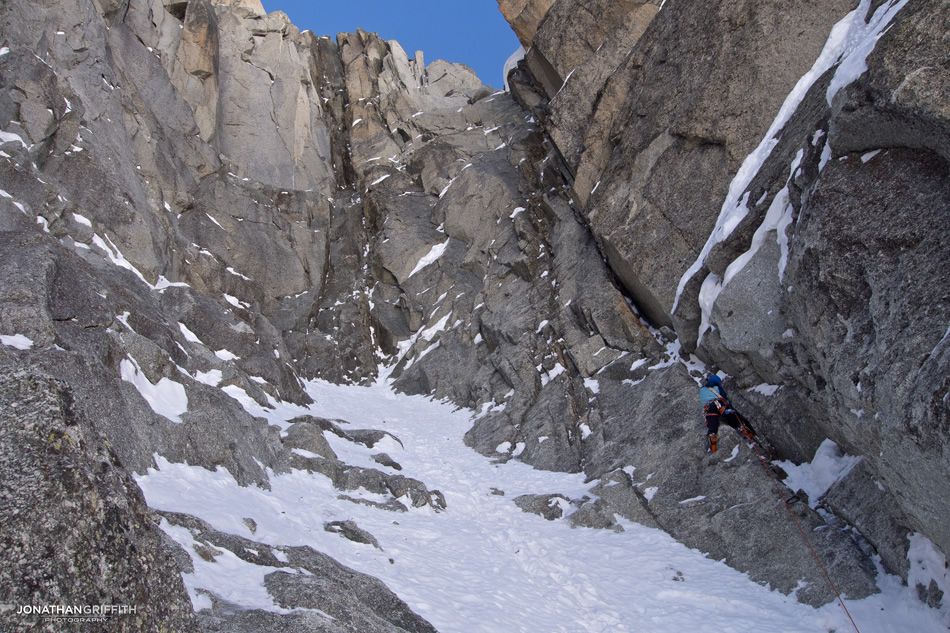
(309, 438)
(549, 506)
(349, 530)
(315, 590)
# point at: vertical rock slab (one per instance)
(363, 56)
(196, 65)
(708, 84)
(270, 124)
(584, 109)
(572, 32)
(873, 326)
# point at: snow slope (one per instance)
(483, 565)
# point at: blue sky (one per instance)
(471, 32)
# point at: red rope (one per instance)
(802, 530)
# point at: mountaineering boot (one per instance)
(746, 432)
(712, 442)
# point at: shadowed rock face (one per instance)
(71, 512)
(841, 304)
(197, 194)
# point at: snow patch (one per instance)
(116, 257)
(7, 137)
(638, 363)
(430, 332)
(229, 577)
(215, 221)
(856, 39)
(593, 385)
(237, 274)
(733, 455)
(766, 389)
(213, 377)
(167, 398)
(237, 303)
(492, 566)
(434, 253)
(548, 376)
(827, 467)
(16, 341)
(691, 499)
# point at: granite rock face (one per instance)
(199, 198)
(179, 213)
(777, 208)
(94, 542)
(524, 16)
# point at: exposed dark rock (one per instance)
(348, 529)
(617, 495)
(386, 460)
(931, 595)
(309, 438)
(344, 600)
(864, 503)
(375, 608)
(550, 507)
(93, 518)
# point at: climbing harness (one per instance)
(716, 407)
(788, 507)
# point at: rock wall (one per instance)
(93, 531)
(199, 196)
(777, 202)
(179, 213)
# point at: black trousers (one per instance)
(733, 419)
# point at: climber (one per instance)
(718, 409)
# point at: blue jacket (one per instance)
(708, 394)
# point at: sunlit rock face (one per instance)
(202, 208)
